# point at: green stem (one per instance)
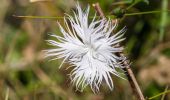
(133, 4)
(163, 19)
(111, 16)
(43, 17)
(159, 94)
(163, 96)
(7, 94)
(148, 12)
(39, 17)
(121, 2)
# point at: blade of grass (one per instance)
(7, 94)
(162, 93)
(163, 96)
(163, 20)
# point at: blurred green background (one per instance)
(26, 75)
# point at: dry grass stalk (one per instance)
(129, 73)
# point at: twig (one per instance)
(163, 96)
(98, 9)
(129, 73)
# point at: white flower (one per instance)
(89, 48)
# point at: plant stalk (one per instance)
(129, 73)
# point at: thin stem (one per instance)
(99, 10)
(133, 4)
(163, 96)
(53, 17)
(147, 12)
(120, 2)
(39, 17)
(111, 16)
(165, 92)
(43, 17)
(7, 94)
(129, 73)
(163, 20)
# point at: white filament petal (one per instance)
(89, 48)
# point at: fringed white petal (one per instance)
(89, 48)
